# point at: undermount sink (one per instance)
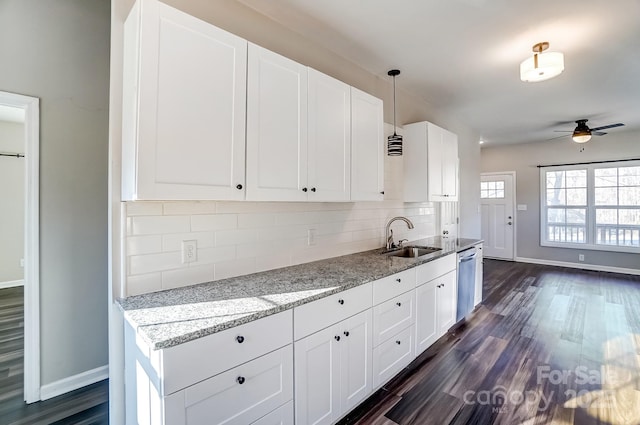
(412, 251)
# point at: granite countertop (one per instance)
(172, 317)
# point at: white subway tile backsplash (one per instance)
(187, 276)
(189, 207)
(211, 222)
(144, 283)
(238, 238)
(173, 241)
(137, 245)
(158, 225)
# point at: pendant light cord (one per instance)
(394, 105)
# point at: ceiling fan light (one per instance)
(542, 65)
(581, 137)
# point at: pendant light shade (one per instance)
(394, 142)
(541, 66)
(582, 133)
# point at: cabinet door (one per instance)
(446, 298)
(426, 316)
(329, 139)
(276, 127)
(449, 165)
(434, 162)
(416, 166)
(185, 138)
(355, 360)
(392, 355)
(317, 378)
(367, 147)
(477, 298)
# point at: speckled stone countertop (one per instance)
(168, 318)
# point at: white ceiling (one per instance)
(464, 56)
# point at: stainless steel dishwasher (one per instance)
(466, 281)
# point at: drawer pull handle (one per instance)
(240, 339)
(341, 302)
(240, 380)
(346, 333)
(398, 304)
(337, 337)
(398, 342)
(398, 280)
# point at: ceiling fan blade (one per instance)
(563, 131)
(604, 127)
(559, 137)
(598, 133)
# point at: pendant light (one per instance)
(394, 142)
(541, 66)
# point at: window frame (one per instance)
(590, 214)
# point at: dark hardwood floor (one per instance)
(87, 405)
(548, 345)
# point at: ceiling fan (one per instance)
(582, 133)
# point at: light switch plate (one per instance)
(522, 207)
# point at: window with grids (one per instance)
(593, 206)
(492, 189)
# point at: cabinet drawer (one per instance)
(435, 268)
(391, 356)
(191, 362)
(316, 315)
(391, 286)
(392, 316)
(239, 396)
(283, 415)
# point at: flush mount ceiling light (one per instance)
(541, 66)
(394, 142)
(582, 133)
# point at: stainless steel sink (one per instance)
(412, 251)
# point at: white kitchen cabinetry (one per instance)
(477, 298)
(184, 109)
(333, 370)
(367, 147)
(435, 300)
(430, 163)
(276, 127)
(235, 376)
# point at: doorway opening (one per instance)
(497, 206)
(20, 116)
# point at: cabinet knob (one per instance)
(313, 189)
(304, 189)
(346, 333)
(337, 337)
(382, 193)
(398, 304)
(240, 380)
(341, 302)
(239, 187)
(398, 342)
(240, 339)
(398, 280)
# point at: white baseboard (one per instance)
(74, 382)
(582, 266)
(11, 284)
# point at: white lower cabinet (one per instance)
(239, 396)
(392, 355)
(333, 370)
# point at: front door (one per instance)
(498, 220)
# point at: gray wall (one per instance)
(522, 159)
(12, 181)
(58, 51)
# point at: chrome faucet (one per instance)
(389, 232)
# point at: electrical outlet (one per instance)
(311, 237)
(580, 257)
(189, 251)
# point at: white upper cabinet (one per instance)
(329, 138)
(367, 147)
(430, 163)
(276, 127)
(183, 108)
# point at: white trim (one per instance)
(11, 283)
(513, 206)
(74, 382)
(31, 106)
(583, 266)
